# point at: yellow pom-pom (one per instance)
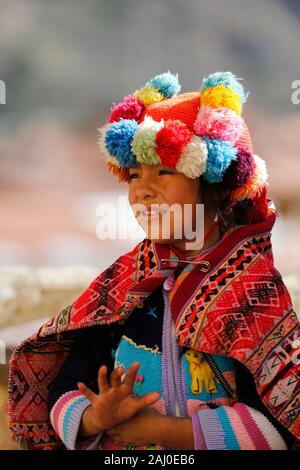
(221, 97)
(148, 95)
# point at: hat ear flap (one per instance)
(223, 90)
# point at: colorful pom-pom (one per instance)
(255, 184)
(103, 149)
(159, 88)
(144, 141)
(166, 83)
(118, 139)
(239, 171)
(220, 155)
(130, 108)
(222, 97)
(220, 123)
(149, 95)
(171, 140)
(192, 163)
(229, 80)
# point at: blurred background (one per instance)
(64, 64)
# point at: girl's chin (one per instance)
(161, 241)
(165, 241)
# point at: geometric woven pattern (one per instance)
(240, 308)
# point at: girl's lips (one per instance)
(152, 214)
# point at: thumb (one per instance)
(148, 400)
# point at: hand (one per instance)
(141, 430)
(115, 402)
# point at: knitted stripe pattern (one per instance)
(235, 428)
(66, 415)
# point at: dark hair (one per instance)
(216, 200)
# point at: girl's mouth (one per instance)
(152, 214)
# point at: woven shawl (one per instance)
(239, 308)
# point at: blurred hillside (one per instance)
(71, 60)
(65, 63)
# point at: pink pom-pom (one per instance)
(130, 108)
(171, 140)
(220, 123)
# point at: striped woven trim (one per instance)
(212, 429)
(65, 417)
(235, 428)
(262, 432)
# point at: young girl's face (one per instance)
(153, 185)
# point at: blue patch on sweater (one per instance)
(150, 365)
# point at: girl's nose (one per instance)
(145, 191)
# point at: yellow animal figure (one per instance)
(201, 372)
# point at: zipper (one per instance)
(172, 365)
(175, 353)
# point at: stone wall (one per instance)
(28, 297)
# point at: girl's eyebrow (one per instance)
(137, 166)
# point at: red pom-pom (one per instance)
(259, 211)
(171, 140)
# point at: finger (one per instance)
(86, 391)
(102, 380)
(115, 378)
(131, 374)
(148, 400)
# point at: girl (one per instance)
(173, 346)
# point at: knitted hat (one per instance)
(198, 133)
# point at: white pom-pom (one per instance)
(193, 160)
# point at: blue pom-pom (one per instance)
(118, 140)
(166, 83)
(220, 154)
(229, 80)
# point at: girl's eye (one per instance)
(134, 175)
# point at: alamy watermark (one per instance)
(2, 92)
(295, 98)
(158, 221)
